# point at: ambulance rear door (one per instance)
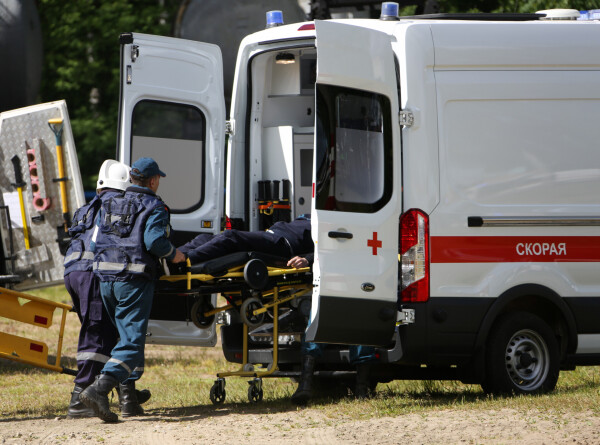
(173, 109)
(356, 199)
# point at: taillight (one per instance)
(414, 253)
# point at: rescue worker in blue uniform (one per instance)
(131, 235)
(97, 335)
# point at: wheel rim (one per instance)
(527, 360)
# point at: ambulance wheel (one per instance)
(522, 356)
(246, 312)
(217, 394)
(199, 308)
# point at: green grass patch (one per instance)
(180, 379)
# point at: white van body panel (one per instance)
(178, 73)
(355, 268)
(184, 72)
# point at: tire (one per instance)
(217, 395)
(522, 356)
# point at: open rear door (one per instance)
(173, 110)
(356, 187)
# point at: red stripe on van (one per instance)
(515, 249)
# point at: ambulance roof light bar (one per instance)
(274, 18)
(389, 11)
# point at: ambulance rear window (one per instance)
(354, 150)
(173, 134)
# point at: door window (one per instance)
(354, 150)
(174, 135)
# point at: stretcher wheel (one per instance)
(255, 391)
(246, 312)
(217, 392)
(256, 274)
(198, 309)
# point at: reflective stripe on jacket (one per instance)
(78, 256)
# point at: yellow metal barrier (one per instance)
(37, 312)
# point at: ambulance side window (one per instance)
(174, 135)
(354, 150)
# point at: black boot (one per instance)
(304, 391)
(95, 396)
(77, 410)
(129, 402)
(362, 390)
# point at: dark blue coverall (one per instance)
(127, 268)
(97, 335)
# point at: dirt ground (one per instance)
(207, 425)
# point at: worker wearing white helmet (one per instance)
(98, 335)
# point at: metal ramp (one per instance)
(38, 312)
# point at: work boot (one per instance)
(77, 410)
(304, 391)
(362, 389)
(129, 402)
(95, 396)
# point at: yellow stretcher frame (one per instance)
(255, 392)
(37, 312)
(237, 272)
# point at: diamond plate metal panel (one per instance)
(25, 133)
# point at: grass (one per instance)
(180, 379)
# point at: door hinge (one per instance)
(406, 118)
(135, 52)
(405, 316)
(229, 127)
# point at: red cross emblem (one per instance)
(374, 243)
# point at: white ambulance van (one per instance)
(451, 167)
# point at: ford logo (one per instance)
(367, 287)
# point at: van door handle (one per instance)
(336, 234)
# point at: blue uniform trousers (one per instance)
(98, 335)
(128, 304)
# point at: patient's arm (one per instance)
(179, 257)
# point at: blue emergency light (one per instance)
(274, 18)
(592, 14)
(389, 11)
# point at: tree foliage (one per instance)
(81, 65)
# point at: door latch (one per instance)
(405, 316)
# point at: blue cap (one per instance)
(146, 168)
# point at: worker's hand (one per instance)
(179, 257)
(298, 262)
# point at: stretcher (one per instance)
(34, 311)
(255, 285)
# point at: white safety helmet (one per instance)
(113, 174)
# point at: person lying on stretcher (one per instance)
(285, 239)
(290, 240)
